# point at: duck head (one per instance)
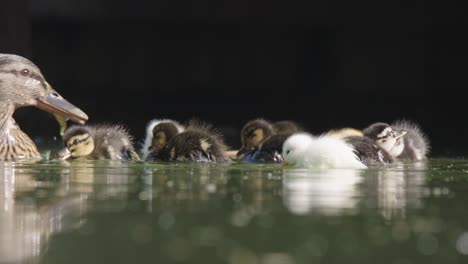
(162, 133)
(386, 137)
(253, 134)
(295, 149)
(22, 84)
(79, 142)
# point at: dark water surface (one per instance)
(114, 212)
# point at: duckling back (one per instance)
(112, 142)
(197, 143)
(369, 153)
(416, 142)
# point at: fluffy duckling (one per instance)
(403, 140)
(98, 143)
(306, 151)
(263, 141)
(22, 84)
(148, 141)
(253, 134)
(198, 143)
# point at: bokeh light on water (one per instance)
(112, 212)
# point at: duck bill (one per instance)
(284, 164)
(54, 103)
(64, 154)
(242, 151)
(399, 134)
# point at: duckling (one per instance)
(368, 152)
(147, 143)
(306, 151)
(262, 144)
(198, 142)
(403, 140)
(253, 134)
(98, 143)
(270, 150)
(345, 132)
(22, 84)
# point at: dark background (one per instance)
(325, 64)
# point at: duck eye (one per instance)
(384, 140)
(287, 152)
(76, 141)
(24, 72)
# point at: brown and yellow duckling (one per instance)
(148, 141)
(197, 143)
(262, 141)
(22, 84)
(101, 142)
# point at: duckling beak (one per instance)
(284, 164)
(54, 103)
(64, 154)
(400, 133)
(242, 152)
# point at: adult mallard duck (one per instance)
(22, 84)
(99, 142)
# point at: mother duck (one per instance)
(22, 84)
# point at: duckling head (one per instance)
(253, 134)
(78, 142)
(162, 133)
(386, 137)
(22, 84)
(295, 148)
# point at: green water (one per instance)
(113, 212)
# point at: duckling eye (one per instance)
(24, 72)
(384, 140)
(76, 141)
(287, 152)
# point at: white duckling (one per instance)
(306, 151)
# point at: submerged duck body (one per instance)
(402, 140)
(270, 151)
(101, 142)
(306, 151)
(22, 84)
(197, 143)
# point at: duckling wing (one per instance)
(369, 153)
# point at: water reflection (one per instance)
(171, 212)
(39, 200)
(328, 192)
(335, 192)
(27, 217)
(396, 189)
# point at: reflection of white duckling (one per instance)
(307, 151)
(149, 134)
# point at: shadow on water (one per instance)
(117, 212)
